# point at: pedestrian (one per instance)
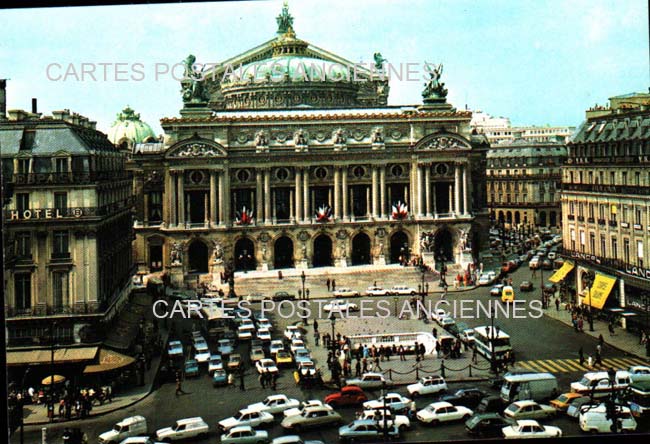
(316, 326)
(377, 367)
(328, 283)
(179, 388)
(610, 327)
(474, 354)
(534, 275)
(581, 324)
(364, 368)
(241, 380)
(434, 332)
(590, 361)
(357, 369)
(417, 352)
(581, 356)
(422, 350)
(316, 338)
(438, 348)
(374, 284)
(262, 379)
(231, 379)
(333, 285)
(601, 340)
(274, 381)
(401, 353)
(557, 304)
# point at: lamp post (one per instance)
(332, 341)
(50, 404)
(383, 394)
(22, 405)
(395, 299)
(304, 295)
(589, 279)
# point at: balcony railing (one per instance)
(612, 189)
(68, 178)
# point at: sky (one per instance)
(537, 62)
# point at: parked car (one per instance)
(219, 378)
(263, 334)
(283, 296)
(595, 420)
(245, 435)
(225, 347)
(526, 286)
(377, 291)
(496, 290)
(439, 412)
(394, 401)
(401, 421)
(534, 263)
(191, 368)
(303, 405)
(245, 332)
(201, 352)
(130, 440)
(348, 395)
(469, 398)
(467, 335)
(256, 354)
(528, 409)
(274, 404)
(317, 416)
(547, 264)
(369, 381)
(487, 278)
(340, 306)
(296, 344)
(276, 345)
(215, 363)
(438, 314)
(266, 365)
(447, 322)
(131, 426)
(184, 429)
(528, 428)
(573, 411)
(263, 323)
(293, 439)
(365, 429)
(403, 290)
(427, 386)
(255, 297)
(487, 425)
(345, 292)
(292, 332)
(246, 417)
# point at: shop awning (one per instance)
(600, 290)
(43, 356)
(562, 272)
(109, 360)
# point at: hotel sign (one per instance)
(45, 213)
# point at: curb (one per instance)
(627, 352)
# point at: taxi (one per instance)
(507, 294)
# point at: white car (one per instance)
(303, 405)
(263, 334)
(292, 332)
(245, 332)
(246, 417)
(256, 354)
(340, 306)
(215, 363)
(427, 386)
(467, 336)
(296, 344)
(274, 404)
(377, 291)
(487, 278)
(394, 401)
(403, 290)
(276, 346)
(201, 352)
(595, 419)
(439, 314)
(246, 322)
(438, 412)
(529, 409)
(244, 434)
(446, 322)
(139, 440)
(128, 427)
(639, 372)
(183, 429)
(529, 428)
(345, 292)
(264, 323)
(496, 290)
(266, 366)
(401, 421)
(369, 381)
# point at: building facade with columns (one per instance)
(606, 209)
(67, 228)
(286, 163)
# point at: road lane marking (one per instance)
(543, 365)
(526, 365)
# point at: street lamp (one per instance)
(588, 278)
(383, 394)
(50, 404)
(304, 295)
(333, 322)
(395, 299)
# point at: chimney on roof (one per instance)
(34, 106)
(3, 99)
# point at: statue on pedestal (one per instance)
(434, 88)
(217, 252)
(176, 254)
(193, 87)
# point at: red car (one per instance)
(349, 395)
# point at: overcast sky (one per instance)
(537, 62)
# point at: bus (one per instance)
(492, 344)
(406, 340)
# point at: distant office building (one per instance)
(499, 129)
(606, 208)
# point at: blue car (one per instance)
(302, 354)
(366, 429)
(191, 367)
(219, 378)
(225, 347)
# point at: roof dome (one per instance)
(129, 128)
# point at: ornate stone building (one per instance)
(67, 227)
(606, 208)
(523, 182)
(128, 129)
(287, 160)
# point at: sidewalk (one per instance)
(37, 414)
(622, 340)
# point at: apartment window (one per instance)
(580, 210)
(637, 178)
(603, 246)
(626, 250)
(624, 177)
(612, 177)
(601, 176)
(639, 252)
(601, 212)
(591, 210)
(491, 197)
(155, 206)
(612, 214)
(60, 201)
(571, 208)
(637, 216)
(614, 248)
(592, 243)
(24, 244)
(570, 176)
(61, 165)
(61, 244)
(580, 177)
(591, 177)
(582, 241)
(573, 239)
(624, 215)
(22, 202)
(23, 290)
(23, 166)
(60, 289)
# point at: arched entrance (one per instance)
(322, 251)
(361, 249)
(542, 218)
(399, 245)
(244, 254)
(552, 219)
(517, 218)
(283, 253)
(509, 217)
(198, 257)
(443, 245)
(501, 218)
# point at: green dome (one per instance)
(129, 127)
(298, 68)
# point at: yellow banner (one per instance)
(562, 272)
(600, 290)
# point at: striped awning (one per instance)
(43, 356)
(562, 272)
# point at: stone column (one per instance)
(451, 199)
(418, 188)
(305, 195)
(274, 206)
(382, 192)
(344, 192)
(413, 191)
(298, 192)
(351, 204)
(222, 199)
(167, 207)
(292, 211)
(427, 188)
(213, 198)
(146, 208)
(457, 189)
(374, 192)
(368, 201)
(180, 181)
(226, 198)
(435, 203)
(337, 189)
(465, 191)
(206, 209)
(259, 203)
(267, 196)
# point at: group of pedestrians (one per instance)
(598, 354)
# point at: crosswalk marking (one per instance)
(573, 365)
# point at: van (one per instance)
(595, 420)
(131, 426)
(599, 384)
(183, 429)
(507, 294)
(529, 386)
